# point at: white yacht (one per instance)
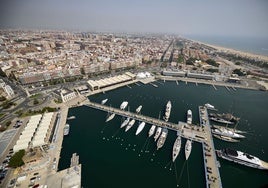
(176, 148)
(220, 120)
(188, 148)
(230, 129)
(242, 158)
(66, 129)
(162, 139)
(125, 122)
(71, 117)
(168, 110)
(140, 128)
(130, 124)
(110, 117)
(225, 138)
(139, 109)
(104, 101)
(189, 117)
(210, 107)
(152, 130)
(157, 134)
(123, 105)
(225, 132)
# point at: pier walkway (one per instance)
(196, 133)
(201, 134)
(211, 164)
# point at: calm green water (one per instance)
(112, 158)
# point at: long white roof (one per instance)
(36, 126)
(110, 81)
(38, 142)
(20, 146)
(42, 129)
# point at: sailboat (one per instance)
(139, 109)
(162, 138)
(225, 138)
(158, 132)
(188, 149)
(140, 128)
(152, 130)
(110, 116)
(130, 124)
(176, 148)
(104, 101)
(227, 128)
(125, 122)
(224, 133)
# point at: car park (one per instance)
(11, 151)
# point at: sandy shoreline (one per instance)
(233, 51)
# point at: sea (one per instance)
(113, 158)
(255, 45)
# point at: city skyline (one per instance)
(221, 18)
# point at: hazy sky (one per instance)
(186, 17)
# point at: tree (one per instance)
(212, 62)
(16, 159)
(2, 98)
(239, 72)
(8, 104)
(35, 102)
(213, 70)
(180, 59)
(190, 61)
(8, 123)
(2, 73)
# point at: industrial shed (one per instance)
(35, 132)
(102, 83)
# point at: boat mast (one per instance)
(235, 125)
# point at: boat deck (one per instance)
(264, 164)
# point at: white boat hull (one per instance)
(140, 128)
(162, 139)
(176, 148)
(152, 130)
(130, 124)
(110, 117)
(188, 149)
(157, 134)
(125, 123)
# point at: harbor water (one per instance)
(111, 157)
